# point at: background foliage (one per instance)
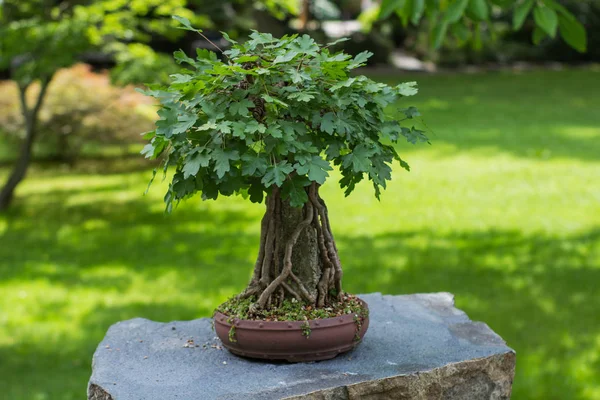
(83, 111)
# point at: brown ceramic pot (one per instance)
(288, 340)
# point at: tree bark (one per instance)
(297, 255)
(304, 15)
(19, 171)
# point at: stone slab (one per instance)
(417, 347)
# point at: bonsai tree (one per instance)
(269, 121)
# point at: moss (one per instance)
(293, 310)
(232, 338)
(305, 329)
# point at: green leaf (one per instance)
(414, 135)
(347, 83)
(256, 192)
(271, 99)
(287, 57)
(338, 41)
(327, 122)
(294, 189)
(438, 34)
(240, 107)
(193, 163)
(418, 7)
(187, 25)
(274, 131)
(521, 12)
(222, 160)
(238, 129)
(405, 12)
(455, 11)
(461, 32)
(573, 33)
(181, 57)
(411, 112)
(184, 123)
(546, 19)
(538, 35)
(305, 44)
(148, 151)
(359, 159)
(479, 9)
(253, 163)
(276, 174)
(407, 89)
(360, 59)
(262, 38)
(254, 126)
(388, 6)
(316, 169)
(246, 58)
(301, 96)
(230, 40)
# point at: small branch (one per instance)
(211, 42)
(23, 97)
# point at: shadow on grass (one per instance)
(539, 293)
(100, 265)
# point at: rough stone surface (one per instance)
(417, 347)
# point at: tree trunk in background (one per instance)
(304, 15)
(20, 169)
(297, 255)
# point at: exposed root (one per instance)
(305, 294)
(251, 290)
(291, 291)
(322, 287)
(328, 237)
(264, 224)
(287, 263)
(268, 257)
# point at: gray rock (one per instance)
(417, 347)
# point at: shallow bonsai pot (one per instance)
(294, 341)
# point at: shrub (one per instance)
(82, 109)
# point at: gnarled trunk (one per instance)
(297, 256)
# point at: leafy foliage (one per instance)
(276, 112)
(468, 17)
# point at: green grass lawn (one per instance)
(503, 210)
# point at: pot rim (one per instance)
(220, 318)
